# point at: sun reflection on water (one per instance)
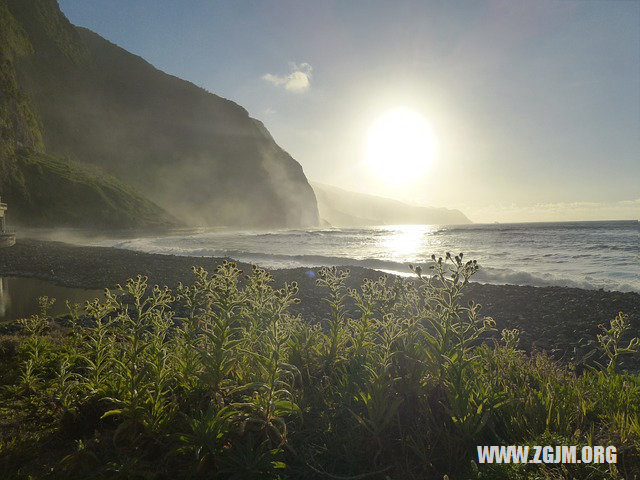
(406, 242)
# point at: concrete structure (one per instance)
(6, 238)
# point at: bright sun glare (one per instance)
(400, 146)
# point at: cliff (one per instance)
(198, 156)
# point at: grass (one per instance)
(54, 191)
(217, 380)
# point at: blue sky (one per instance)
(535, 105)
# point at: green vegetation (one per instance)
(18, 122)
(43, 190)
(217, 380)
(68, 93)
(55, 192)
(49, 31)
(197, 155)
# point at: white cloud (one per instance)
(298, 81)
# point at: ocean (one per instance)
(590, 255)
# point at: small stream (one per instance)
(19, 296)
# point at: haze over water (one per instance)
(589, 255)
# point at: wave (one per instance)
(486, 274)
(276, 261)
(615, 248)
(300, 233)
(631, 225)
(493, 275)
(504, 276)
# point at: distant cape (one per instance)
(343, 208)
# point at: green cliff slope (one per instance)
(199, 156)
(42, 190)
(56, 192)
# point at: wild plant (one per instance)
(269, 395)
(35, 327)
(191, 302)
(66, 383)
(139, 324)
(611, 340)
(98, 358)
(29, 381)
(381, 402)
(334, 280)
(160, 395)
(379, 395)
(252, 459)
(74, 312)
(364, 328)
(510, 338)
(207, 434)
(452, 334)
(218, 378)
(304, 346)
(218, 325)
(452, 330)
(35, 352)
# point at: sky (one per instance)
(534, 106)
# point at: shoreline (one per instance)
(560, 320)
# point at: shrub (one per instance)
(218, 379)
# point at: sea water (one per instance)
(589, 255)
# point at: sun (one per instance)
(400, 146)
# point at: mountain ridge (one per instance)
(41, 189)
(198, 156)
(341, 207)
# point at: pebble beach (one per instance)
(559, 320)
